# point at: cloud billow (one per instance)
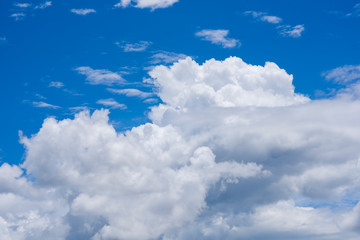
(233, 152)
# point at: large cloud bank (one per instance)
(232, 153)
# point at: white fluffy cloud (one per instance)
(83, 11)
(344, 74)
(264, 17)
(131, 92)
(292, 31)
(100, 76)
(111, 103)
(153, 4)
(219, 37)
(231, 153)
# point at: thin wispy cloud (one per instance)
(344, 74)
(111, 103)
(164, 57)
(355, 11)
(264, 17)
(218, 37)
(18, 16)
(56, 84)
(134, 47)
(24, 9)
(22, 5)
(100, 76)
(44, 5)
(82, 11)
(44, 105)
(131, 92)
(152, 4)
(291, 31)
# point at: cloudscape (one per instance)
(175, 119)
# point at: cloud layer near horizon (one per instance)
(232, 152)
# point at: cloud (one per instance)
(3, 40)
(134, 47)
(164, 57)
(100, 76)
(44, 5)
(344, 74)
(264, 17)
(232, 152)
(56, 84)
(18, 16)
(355, 12)
(218, 37)
(291, 31)
(111, 103)
(44, 105)
(130, 92)
(82, 11)
(153, 4)
(22, 5)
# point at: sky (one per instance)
(178, 119)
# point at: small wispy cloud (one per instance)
(100, 76)
(56, 84)
(18, 16)
(131, 92)
(264, 17)
(219, 37)
(82, 11)
(22, 5)
(134, 47)
(153, 4)
(164, 57)
(111, 103)
(2, 39)
(291, 31)
(355, 11)
(44, 105)
(344, 74)
(43, 5)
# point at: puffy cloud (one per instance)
(218, 37)
(100, 76)
(344, 74)
(211, 165)
(131, 92)
(111, 103)
(153, 4)
(83, 11)
(291, 31)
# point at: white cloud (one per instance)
(56, 84)
(44, 5)
(22, 5)
(344, 74)
(130, 92)
(262, 163)
(111, 103)
(100, 76)
(82, 11)
(153, 4)
(218, 37)
(164, 57)
(355, 12)
(134, 47)
(264, 17)
(44, 105)
(18, 16)
(291, 31)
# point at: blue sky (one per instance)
(59, 58)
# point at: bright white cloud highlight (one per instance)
(291, 31)
(344, 74)
(153, 4)
(83, 11)
(100, 76)
(219, 37)
(22, 5)
(131, 92)
(111, 103)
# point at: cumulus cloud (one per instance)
(218, 37)
(231, 153)
(134, 47)
(344, 74)
(131, 92)
(100, 76)
(264, 17)
(83, 11)
(291, 31)
(153, 4)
